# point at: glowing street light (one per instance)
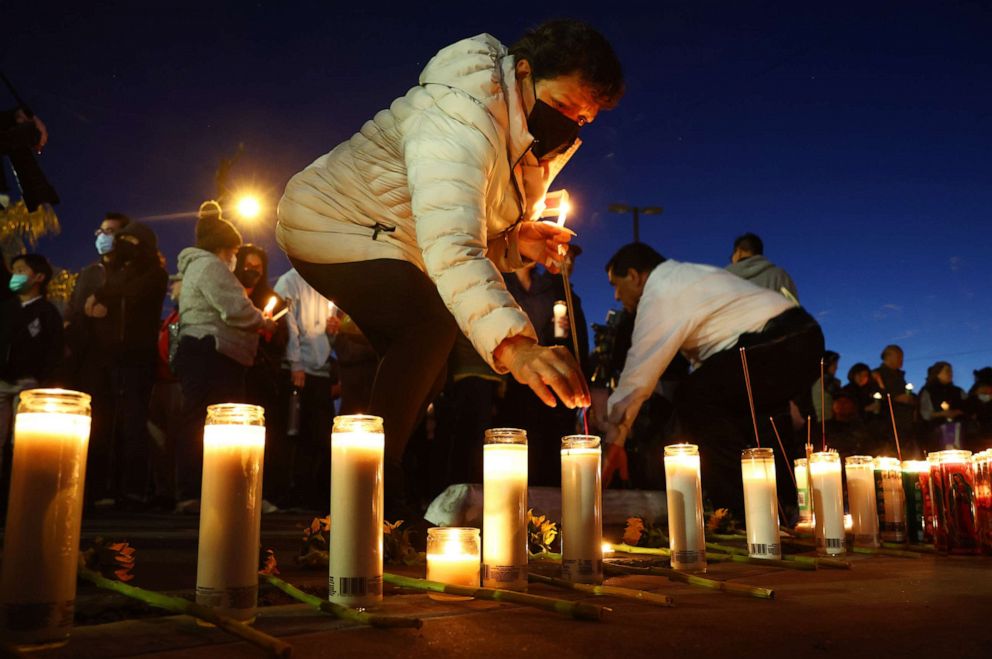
(643, 210)
(248, 207)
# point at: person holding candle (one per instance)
(407, 225)
(891, 380)
(30, 339)
(218, 337)
(942, 406)
(708, 314)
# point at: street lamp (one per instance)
(637, 211)
(248, 207)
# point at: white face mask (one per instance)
(985, 397)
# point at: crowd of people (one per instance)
(425, 290)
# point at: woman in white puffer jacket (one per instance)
(407, 225)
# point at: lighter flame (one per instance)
(563, 211)
(269, 306)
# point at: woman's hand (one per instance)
(541, 367)
(540, 241)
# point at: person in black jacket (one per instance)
(30, 337)
(130, 300)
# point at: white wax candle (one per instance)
(685, 508)
(41, 538)
(504, 516)
(861, 500)
(828, 501)
(230, 519)
(761, 504)
(581, 513)
(355, 566)
(893, 499)
(803, 495)
(560, 314)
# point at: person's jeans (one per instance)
(208, 378)
(133, 391)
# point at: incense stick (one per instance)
(823, 404)
(750, 396)
(785, 456)
(895, 431)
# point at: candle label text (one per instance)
(244, 597)
(502, 573)
(764, 549)
(354, 586)
(575, 568)
(689, 556)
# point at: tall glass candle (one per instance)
(231, 509)
(939, 525)
(581, 509)
(888, 485)
(983, 499)
(912, 488)
(453, 557)
(860, 473)
(355, 565)
(504, 509)
(957, 481)
(804, 497)
(560, 313)
(683, 487)
(44, 512)
(760, 503)
(828, 502)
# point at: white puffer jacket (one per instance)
(440, 179)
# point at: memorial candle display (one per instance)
(983, 499)
(504, 509)
(916, 499)
(684, 491)
(581, 509)
(760, 503)
(938, 525)
(355, 565)
(453, 557)
(803, 495)
(892, 507)
(828, 501)
(44, 511)
(957, 482)
(860, 473)
(560, 312)
(231, 509)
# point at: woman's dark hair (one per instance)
(935, 370)
(39, 265)
(636, 256)
(860, 367)
(563, 47)
(830, 357)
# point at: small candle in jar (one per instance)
(888, 486)
(504, 509)
(453, 557)
(804, 498)
(560, 316)
(860, 472)
(828, 502)
(685, 508)
(581, 509)
(760, 503)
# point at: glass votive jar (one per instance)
(454, 556)
(760, 503)
(860, 472)
(683, 489)
(957, 481)
(504, 509)
(828, 503)
(982, 462)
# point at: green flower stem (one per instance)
(546, 556)
(694, 580)
(604, 591)
(814, 561)
(270, 644)
(342, 612)
(579, 610)
(871, 551)
(920, 549)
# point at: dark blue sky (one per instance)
(855, 138)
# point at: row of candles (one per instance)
(948, 498)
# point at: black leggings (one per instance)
(401, 313)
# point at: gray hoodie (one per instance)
(760, 271)
(214, 303)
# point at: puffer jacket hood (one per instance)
(441, 179)
(760, 271)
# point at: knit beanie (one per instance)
(142, 232)
(213, 232)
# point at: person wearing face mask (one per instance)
(979, 406)
(30, 339)
(218, 338)
(408, 224)
(130, 303)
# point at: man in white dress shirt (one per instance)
(707, 314)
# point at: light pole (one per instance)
(637, 211)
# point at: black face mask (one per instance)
(249, 278)
(553, 132)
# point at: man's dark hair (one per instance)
(563, 47)
(750, 242)
(118, 217)
(637, 256)
(39, 265)
(890, 348)
(860, 367)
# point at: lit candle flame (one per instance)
(945, 406)
(563, 210)
(269, 306)
(607, 548)
(330, 308)
(909, 387)
(877, 396)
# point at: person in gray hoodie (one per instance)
(748, 262)
(218, 338)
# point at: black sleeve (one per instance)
(50, 372)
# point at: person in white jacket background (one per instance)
(407, 225)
